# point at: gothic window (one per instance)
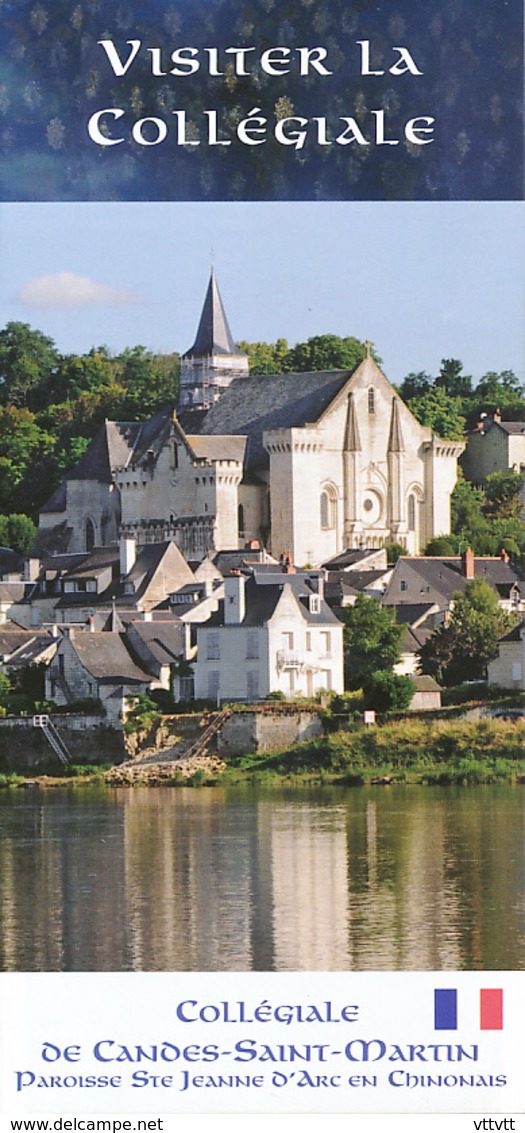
(371, 400)
(328, 508)
(411, 513)
(90, 534)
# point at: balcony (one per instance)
(290, 659)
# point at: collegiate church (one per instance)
(310, 463)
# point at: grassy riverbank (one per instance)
(406, 751)
(410, 750)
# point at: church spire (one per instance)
(395, 439)
(352, 438)
(214, 360)
(213, 333)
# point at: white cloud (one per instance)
(65, 289)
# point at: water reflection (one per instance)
(394, 879)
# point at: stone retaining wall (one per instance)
(267, 731)
(87, 738)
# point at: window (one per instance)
(240, 521)
(214, 647)
(411, 513)
(89, 534)
(314, 604)
(308, 641)
(252, 684)
(371, 400)
(252, 646)
(287, 640)
(516, 671)
(213, 684)
(175, 455)
(328, 508)
(404, 584)
(91, 585)
(326, 645)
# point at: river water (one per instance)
(209, 879)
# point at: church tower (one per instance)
(214, 360)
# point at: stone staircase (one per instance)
(173, 761)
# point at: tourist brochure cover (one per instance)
(261, 551)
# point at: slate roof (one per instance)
(10, 561)
(32, 650)
(262, 595)
(218, 448)
(515, 633)
(414, 639)
(164, 640)
(105, 656)
(424, 683)
(410, 614)
(359, 579)
(511, 426)
(256, 404)
(349, 558)
(435, 579)
(213, 333)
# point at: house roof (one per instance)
(350, 558)
(106, 657)
(270, 401)
(515, 633)
(263, 594)
(424, 683)
(413, 639)
(213, 333)
(218, 448)
(164, 640)
(435, 579)
(32, 650)
(511, 426)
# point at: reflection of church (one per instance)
(310, 463)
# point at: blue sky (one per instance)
(422, 281)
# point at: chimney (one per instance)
(31, 570)
(318, 581)
(496, 416)
(234, 598)
(467, 563)
(505, 558)
(127, 553)
(208, 587)
(91, 625)
(286, 563)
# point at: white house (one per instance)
(508, 668)
(270, 633)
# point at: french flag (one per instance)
(490, 1009)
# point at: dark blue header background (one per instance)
(54, 77)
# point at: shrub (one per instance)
(388, 692)
(277, 695)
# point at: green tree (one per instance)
(452, 380)
(462, 650)
(266, 357)
(148, 382)
(324, 352)
(372, 639)
(503, 495)
(415, 385)
(440, 413)
(388, 692)
(25, 455)
(17, 532)
(28, 362)
(442, 545)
